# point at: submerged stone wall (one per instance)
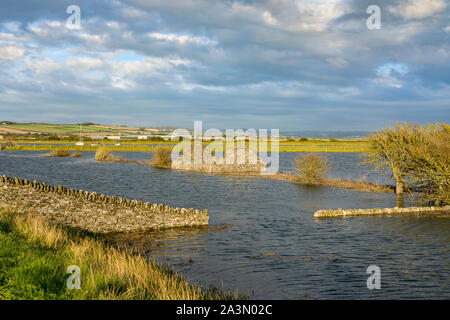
(251, 162)
(92, 211)
(365, 212)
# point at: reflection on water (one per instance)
(274, 248)
(400, 200)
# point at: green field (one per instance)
(148, 147)
(20, 133)
(24, 129)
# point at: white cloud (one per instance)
(388, 74)
(181, 39)
(269, 19)
(10, 52)
(250, 53)
(83, 63)
(418, 9)
(447, 28)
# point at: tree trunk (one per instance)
(399, 186)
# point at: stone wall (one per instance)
(386, 211)
(92, 211)
(251, 164)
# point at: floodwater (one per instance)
(263, 239)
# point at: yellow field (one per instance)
(149, 147)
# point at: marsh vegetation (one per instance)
(58, 153)
(162, 157)
(34, 256)
(104, 155)
(311, 168)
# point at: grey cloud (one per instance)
(252, 58)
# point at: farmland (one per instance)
(25, 129)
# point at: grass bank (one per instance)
(133, 146)
(360, 185)
(35, 255)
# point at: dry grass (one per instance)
(104, 155)
(338, 183)
(357, 185)
(37, 230)
(107, 272)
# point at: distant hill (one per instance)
(90, 129)
(87, 129)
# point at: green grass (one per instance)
(142, 146)
(28, 270)
(34, 257)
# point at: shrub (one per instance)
(311, 168)
(6, 145)
(156, 138)
(76, 154)
(104, 155)
(162, 156)
(59, 153)
(429, 163)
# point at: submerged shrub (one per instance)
(104, 155)
(76, 154)
(311, 168)
(6, 145)
(162, 156)
(60, 152)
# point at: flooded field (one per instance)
(262, 238)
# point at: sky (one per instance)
(286, 64)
